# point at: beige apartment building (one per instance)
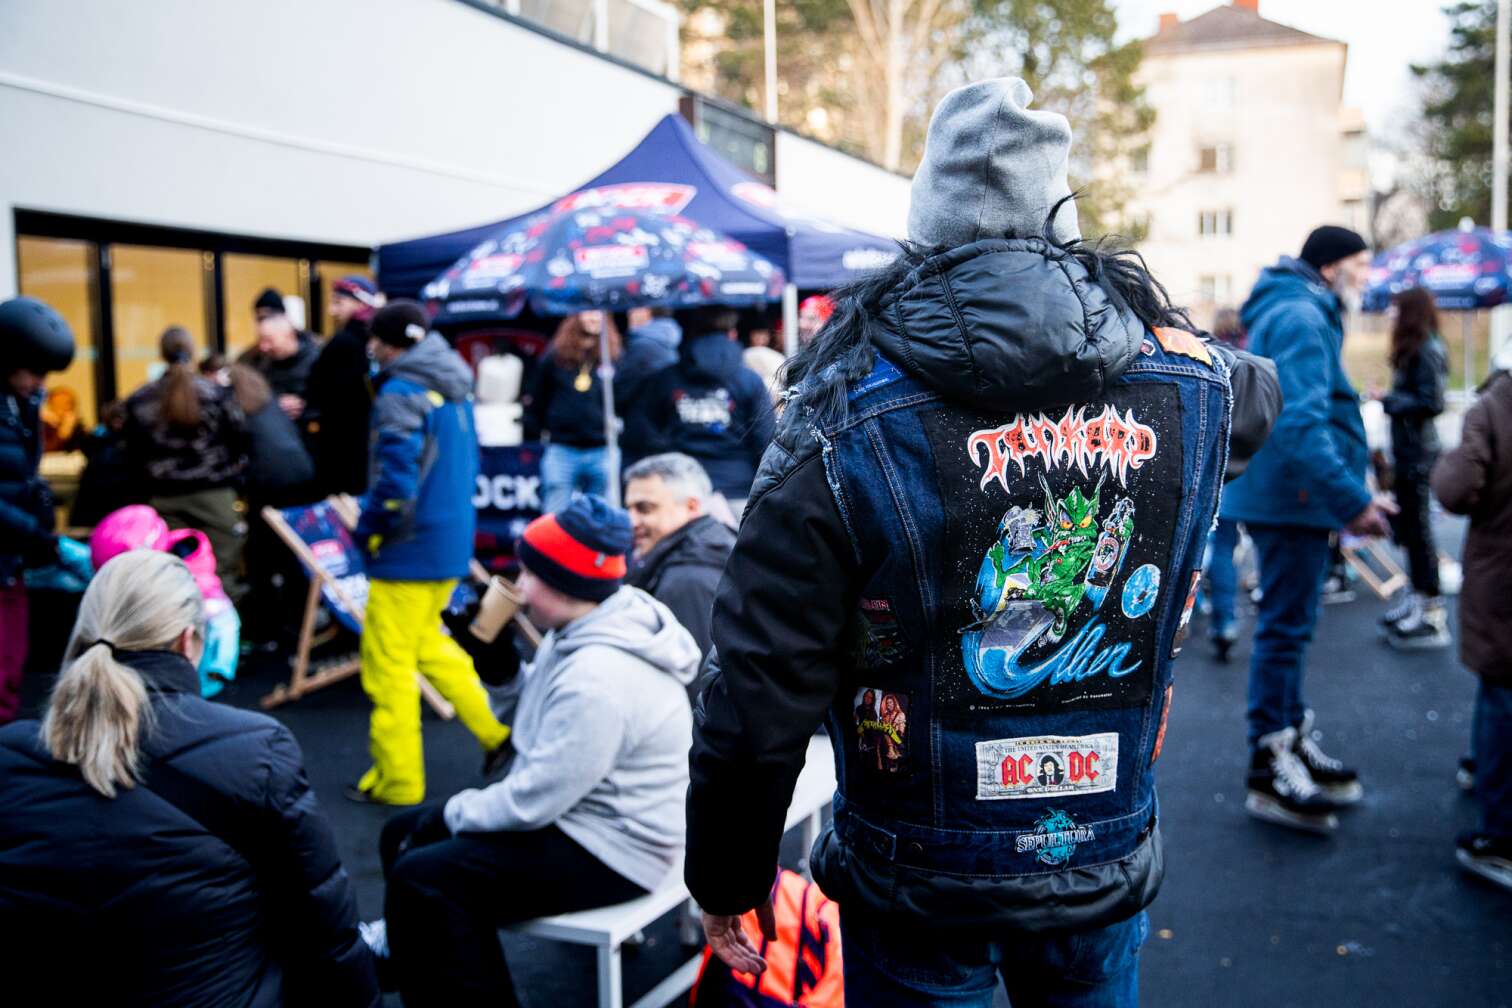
(1251, 149)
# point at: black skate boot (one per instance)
(1281, 790)
(1336, 780)
(1406, 601)
(1424, 628)
(1485, 855)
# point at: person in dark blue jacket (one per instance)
(1304, 485)
(709, 406)
(650, 348)
(417, 527)
(34, 340)
(157, 848)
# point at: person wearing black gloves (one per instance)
(34, 340)
(982, 512)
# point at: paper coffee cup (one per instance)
(500, 603)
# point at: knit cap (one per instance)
(1330, 243)
(358, 288)
(579, 550)
(269, 300)
(400, 323)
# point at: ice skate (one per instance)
(1401, 606)
(1334, 779)
(1281, 791)
(1424, 628)
(1487, 856)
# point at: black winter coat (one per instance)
(682, 572)
(215, 882)
(710, 406)
(557, 409)
(1416, 397)
(280, 471)
(26, 514)
(338, 405)
(172, 460)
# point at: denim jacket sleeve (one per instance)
(1303, 434)
(778, 624)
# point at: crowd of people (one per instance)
(973, 516)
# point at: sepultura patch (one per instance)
(1059, 527)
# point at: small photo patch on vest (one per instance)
(1186, 614)
(1045, 766)
(1185, 344)
(883, 642)
(881, 726)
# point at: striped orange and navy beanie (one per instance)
(580, 550)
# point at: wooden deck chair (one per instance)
(344, 593)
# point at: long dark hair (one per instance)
(841, 352)
(572, 346)
(1417, 319)
(181, 402)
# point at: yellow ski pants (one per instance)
(401, 635)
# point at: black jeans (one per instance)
(447, 898)
(1413, 526)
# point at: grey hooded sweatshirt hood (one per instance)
(601, 733)
(434, 365)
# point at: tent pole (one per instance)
(790, 320)
(1465, 334)
(611, 432)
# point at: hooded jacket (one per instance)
(601, 733)
(26, 509)
(682, 572)
(710, 406)
(1475, 479)
(649, 350)
(418, 519)
(214, 882)
(1311, 470)
(1416, 397)
(996, 537)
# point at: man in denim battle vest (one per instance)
(971, 552)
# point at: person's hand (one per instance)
(728, 939)
(1373, 522)
(292, 405)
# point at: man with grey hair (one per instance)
(680, 550)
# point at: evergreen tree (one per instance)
(1457, 117)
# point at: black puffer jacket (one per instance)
(26, 516)
(682, 571)
(1416, 397)
(215, 882)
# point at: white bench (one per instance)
(608, 928)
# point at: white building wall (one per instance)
(344, 121)
(824, 181)
(1281, 115)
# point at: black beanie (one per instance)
(401, 323)
(271, 300)
(1329, 244)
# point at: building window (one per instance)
(1216, 159)
(65, 274)
(1215, 222)
(1215, 289)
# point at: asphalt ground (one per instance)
(1251, 914)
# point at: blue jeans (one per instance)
(1493, 758)
(910, 966)
(1223, 578)
(1292, 561)
(566, 470)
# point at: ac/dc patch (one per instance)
(881, 726)
(1059, 526)
(1047, 765)
(883, 644)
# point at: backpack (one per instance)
(803, 965)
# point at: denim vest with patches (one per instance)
(1029, 579)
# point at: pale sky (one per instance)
(1384, 36)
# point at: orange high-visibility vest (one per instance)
(804, 968)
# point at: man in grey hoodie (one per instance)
(589, 812)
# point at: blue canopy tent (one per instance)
(673, 167)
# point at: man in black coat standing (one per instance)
(680, 550)
(339, 393)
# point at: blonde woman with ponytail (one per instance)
(175, 839)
